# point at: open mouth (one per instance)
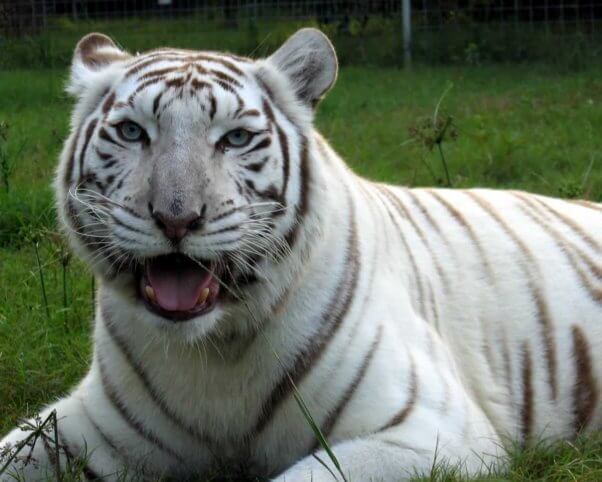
(178, 288)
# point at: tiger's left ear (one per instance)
(93, 56)
(309, 62)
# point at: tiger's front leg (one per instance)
(89, 441)
(25, 451)
(401, 452)
(58, 443)
(45, 448)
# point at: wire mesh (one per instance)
(441, 29)
(26, 16)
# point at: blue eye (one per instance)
(237, 138)
(130, 131)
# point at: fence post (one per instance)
(406, 20)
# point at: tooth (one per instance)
(150, 292)
(203, 296)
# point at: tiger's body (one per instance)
(415, 323)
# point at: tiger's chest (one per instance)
(238, 408)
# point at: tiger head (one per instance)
(186, 172)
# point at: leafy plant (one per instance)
(45, 430)
(432, 132)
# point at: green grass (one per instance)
(515, 127)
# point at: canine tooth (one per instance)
(203, 296)
(150, 292)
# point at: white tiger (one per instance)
(238, 256)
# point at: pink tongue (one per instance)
(177, 282)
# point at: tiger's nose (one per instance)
(176, 227)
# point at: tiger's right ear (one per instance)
(93, 58)
(308, 60)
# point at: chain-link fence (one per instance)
(365, 31)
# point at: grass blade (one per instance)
(42, 284)
(309, 418)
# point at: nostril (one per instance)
(157, 216)
(159, 223)
(195, 223)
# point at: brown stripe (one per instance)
(119, 183)
(93, 244)
(238, 58)
(226, 63)
(507, 365)
(173, 83)
(527, 405)
(585, 392)
(167, 104)
(405, 411)
(462, 221)
(88, 136)
(285, 160)
(333, 417)
(578, 230)
(104, 135)
(226, 78)
(267, 89)
(105, 438)
(144, 85)
(249, 113)
(379, 217)
(543, 312)
(108, 104)
(239, 107)
(418, 203)
(197, 84)
(571, 252)
(268, 110)
(156, 102)
(302, 205)
(71, 158)
(213, 108)
(257, 166)
(225, 85)
(119, 222)
(90, 243)
(331, 319)
(141, 64)
(162, 72)
(103, 156)
(157, 398)
(414, 266)
(129, 418)
(260, 145)
(271, 192)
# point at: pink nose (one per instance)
(176, 227)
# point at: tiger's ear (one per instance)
(309, 62)
(94, 55)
